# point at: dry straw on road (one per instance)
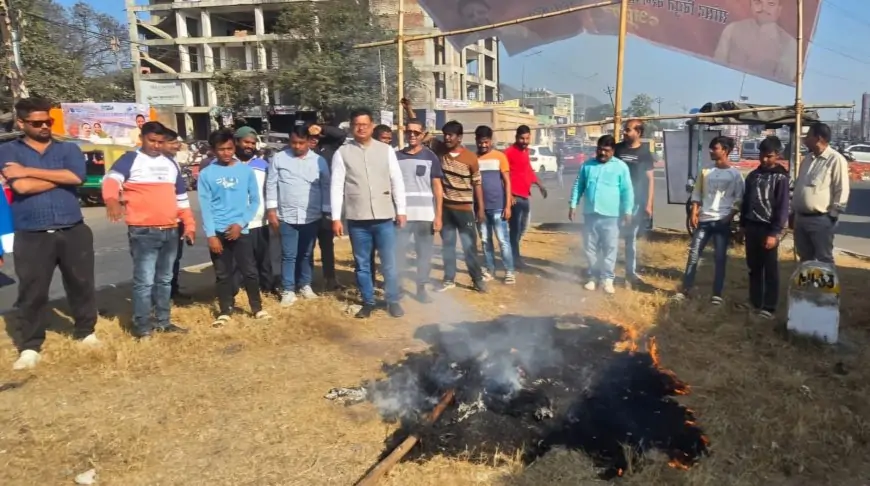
(244, 404)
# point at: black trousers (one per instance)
(326, 242)
(261, 243)
(237, 255)
(36, 254)
(763, 268)
(176, 267)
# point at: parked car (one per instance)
(749, 150)
(543, 158)
(858, 153)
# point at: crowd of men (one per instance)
(323, 185)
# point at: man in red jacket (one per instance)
(522, 178)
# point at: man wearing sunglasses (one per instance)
(49, 229)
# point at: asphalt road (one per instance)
(114, 266)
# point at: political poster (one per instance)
(120, 122)
(757, 37)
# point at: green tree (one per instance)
(640, 105)
(318, 67)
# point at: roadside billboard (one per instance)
(108, 122)
(756, 37)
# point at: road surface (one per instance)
(113, 263)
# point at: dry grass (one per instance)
(243, 404)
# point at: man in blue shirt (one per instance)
(49, 229)
(228, 199)
(297, 200)
(606, 184)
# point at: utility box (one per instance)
(814, 301)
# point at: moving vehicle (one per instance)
(543, 158)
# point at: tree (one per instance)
(640, 105)
(600, 112)
(318, 67)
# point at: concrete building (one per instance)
(469, 74)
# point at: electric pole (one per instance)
(608, 90)
(11, 43)
(659, 100)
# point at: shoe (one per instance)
(446, 285)
(608, 286)
(395, 310)
(307, 293)
(510, 278)
(262, 315)
(487, 276)
(221, 320)
(479, 286)
(171, 329)
(288, 298)
(27, 359)
(423, 295)
(365, 312)
(716, 300)
(766, 315)
(90, 340)
(591, 285)
(679, 297)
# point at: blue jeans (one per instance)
(519, 223)
(424, 246)
(365, 238)
(600, 243)
(630, 234)
(297, 246)
(463, 222)
(495, 224)
(153, 251)
(720, 233)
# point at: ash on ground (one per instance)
(525, 385)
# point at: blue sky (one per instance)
(838, 67)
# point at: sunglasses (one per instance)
(414, 133)
(39, 123)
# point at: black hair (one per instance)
(770, 145)
(220, 137)
(727, 143)
(483, 131)
(452, 127)
(169, 134)
(606, 141)
(640, 126)
(140, 116)
(153, 127)
(25, 106)
(821, 130)
(301, 131)
(360, 112)
(414, 121)
(523, 129)
(380, 130)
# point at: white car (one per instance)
(542, 158)
(860, 152)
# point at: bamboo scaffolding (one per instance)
(799, 87)
(620, 65)
(416, 38)
(400, 63)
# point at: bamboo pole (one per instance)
(620, 70)
(400, 62)
(798, 88)
(376, 473)
(507, 23)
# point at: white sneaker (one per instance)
(307, 293)
(486, 276)
(262, 315)
(608, 286)
(91, 341)
(288, 298)
(590, 285)
(28, 359)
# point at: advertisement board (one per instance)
(113, 122)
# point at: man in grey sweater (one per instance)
(367, 183)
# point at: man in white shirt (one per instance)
(716, 199)
(821, 192)
(759, 45)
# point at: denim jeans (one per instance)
(630, 234)
(463, 222)
(176, 266)
(297, 246)
(519, 223)
(495, 225)
(153, 251)
(424, 242)
(365, 238)
(600, 243)
(720, 232)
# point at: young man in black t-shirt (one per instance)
(639, 159)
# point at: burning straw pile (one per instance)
(525, 385)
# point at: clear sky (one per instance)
(838, 67)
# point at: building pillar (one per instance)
(222, 53)
(181, 32)
(261, 56)
(249, 57)
(187, 92)
(259, 24)
(207, 51)
(211, 93)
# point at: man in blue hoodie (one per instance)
(605, 181)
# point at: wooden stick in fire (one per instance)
(377, 472)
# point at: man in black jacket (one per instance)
(329, 139)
